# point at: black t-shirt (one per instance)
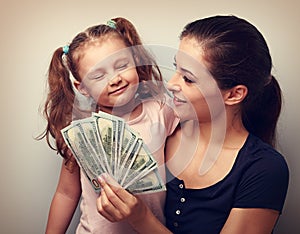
(258, 179)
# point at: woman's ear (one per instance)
(235, 95)
(81, 89)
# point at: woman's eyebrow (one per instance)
(185, 70)
(189, 72)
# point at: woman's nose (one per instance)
(173, 84)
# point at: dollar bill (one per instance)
(120, 138)
(149, 183)
(88, 127)
(107, 127)
(130, 146)
(104, 143)
(129, 159)
(142, 163)
(83, 153)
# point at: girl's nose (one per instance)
(115, 80)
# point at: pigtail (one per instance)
(62, 106)
(59, 103)
(260, 115)
(146, 66)
(128, 31)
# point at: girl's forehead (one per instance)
(100, 49)
(101, 52)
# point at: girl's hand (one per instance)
(116, 204)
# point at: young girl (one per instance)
(244, 189)
(111, 67)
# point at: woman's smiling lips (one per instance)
(178, 101)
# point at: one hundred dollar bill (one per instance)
(88, 127)
(150, 183)
(104, 143)
(107, 128)
(83, 153)
(130, 146)
(129, 159)
(143, 162)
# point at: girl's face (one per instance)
(196, 94)
(108, 74)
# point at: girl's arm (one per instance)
(65, 201)
(116, 204)
(248, 221)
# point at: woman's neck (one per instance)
(227, 131)
(204, 144)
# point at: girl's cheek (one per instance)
(97, 92)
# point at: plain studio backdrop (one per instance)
(30, 32)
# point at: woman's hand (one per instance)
(116, 204)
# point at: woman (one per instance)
(224, 176)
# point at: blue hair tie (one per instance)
(111, 24)
(66, 49)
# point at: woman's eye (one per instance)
(186, 79)
(175, 65)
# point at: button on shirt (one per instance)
(178, 208)
(258, 170)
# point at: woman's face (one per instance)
(108, 74)
(196, 94)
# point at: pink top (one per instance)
(154, 124)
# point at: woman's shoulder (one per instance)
(263, 176)
(257, 154)
(254, 145)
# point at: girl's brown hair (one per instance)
(60, 104)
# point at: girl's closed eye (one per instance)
(98, 76)
(122, 66)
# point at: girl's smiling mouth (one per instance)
(119, 90)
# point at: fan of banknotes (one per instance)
(104, 143)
